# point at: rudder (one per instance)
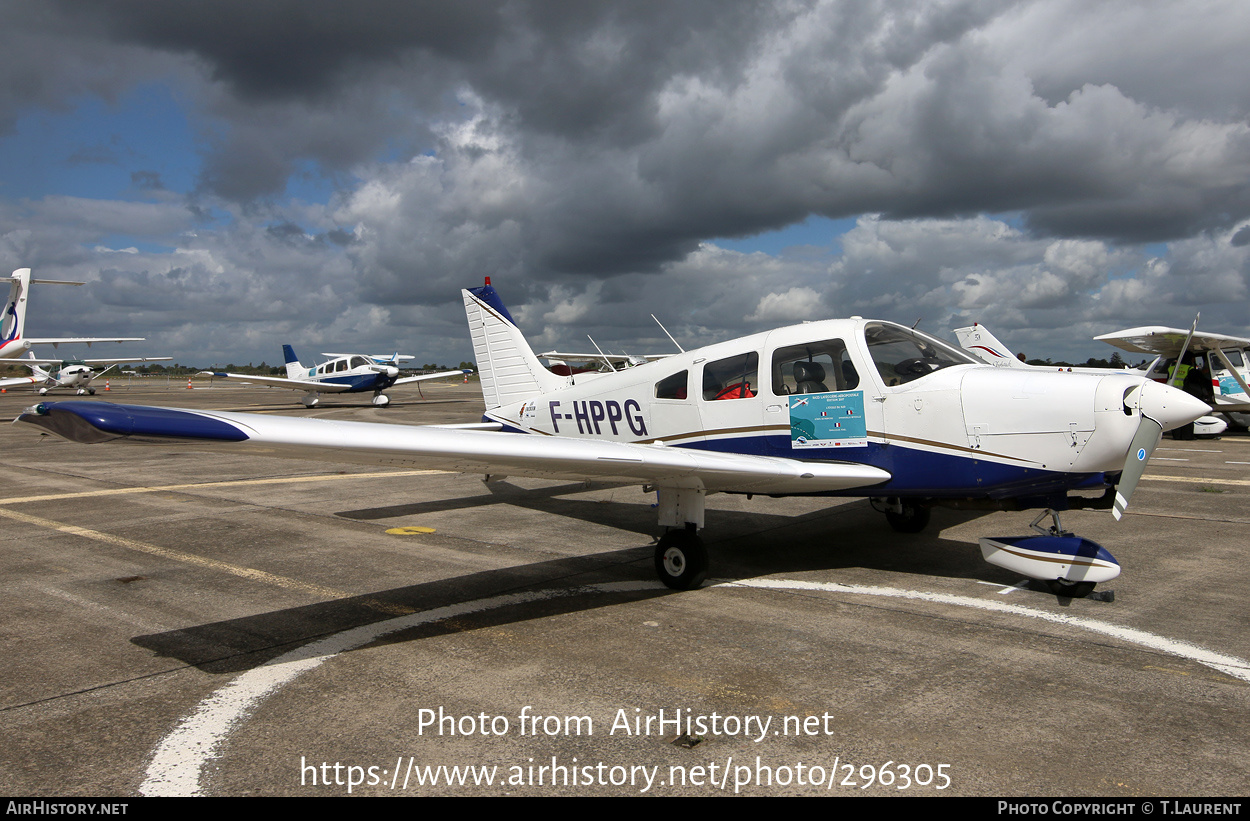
(507, 367)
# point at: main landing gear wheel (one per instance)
(681, 559)
(1072, 590)
(911, 519)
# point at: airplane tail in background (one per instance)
(14, 318)
(294, 369)
(507, 366)
(978, 341)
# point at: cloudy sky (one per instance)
(229, 175)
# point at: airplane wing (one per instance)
(425, 376)
(283, 382)
(87, 340)
(17, 381)
(1156, 339)
(468, 451)
(120, 361)
(403, 357)
(611, 357)
(33, 360)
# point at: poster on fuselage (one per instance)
(828, 420)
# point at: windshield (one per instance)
(903, 355)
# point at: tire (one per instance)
(913, 519)
(681, 560)
(1072, 590)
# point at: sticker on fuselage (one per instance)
(828, 420)
(1229, 386)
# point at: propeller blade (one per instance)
(1149, 432)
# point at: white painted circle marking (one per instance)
(180, 757)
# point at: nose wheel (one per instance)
(681, 559)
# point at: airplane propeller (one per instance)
(1161, 408)
(1149, 432)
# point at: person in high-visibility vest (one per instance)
(1177, 374)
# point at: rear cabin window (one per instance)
(672, 387)
(814, 367)
(736, 377)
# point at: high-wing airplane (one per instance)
(346, 373)
(73, 374)
(13, 320)
(849, 407)
(977, 340)
(1220, 358)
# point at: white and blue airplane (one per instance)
(69, 374)
(843, 407)
(346, 373)
(13, 320)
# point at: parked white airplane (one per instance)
(849, 407)
(74, 374)
(346, 373)
(1218, 357)
(13, 320)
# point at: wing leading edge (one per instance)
(468, 451)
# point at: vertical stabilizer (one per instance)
(978, 341)
(294, 370)
(506, 364)
(14, 318)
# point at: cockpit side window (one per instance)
(902, 355)
(672, 387)
(735, 377)
(1234, 358)
(813, 367)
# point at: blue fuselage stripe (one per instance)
(917, 472)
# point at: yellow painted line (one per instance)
(206, 485)
(249, 573)
(1196, 480)
(409, 531)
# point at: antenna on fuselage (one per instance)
(601, 353)
(670, 336)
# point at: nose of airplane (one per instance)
(391, 370)
(1170, 407)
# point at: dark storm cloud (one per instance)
(283, 48)
(585, 151)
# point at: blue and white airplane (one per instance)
(843, 407)
(346, 373)
(13, 320)
(69, 374)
